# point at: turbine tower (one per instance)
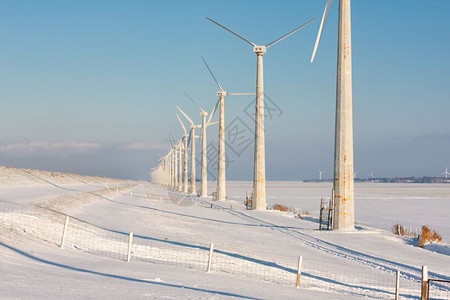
(205, 124)
(193, 189)
(180, 165)
(186, 158)
(320, 175)
(221, 182)
(343, 184)
(175, 161)
(259, 170)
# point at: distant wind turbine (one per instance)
(259, 172)
(320, 175)
(175, 161)
(180, 165)
(205, 124)
(186, 158)
(193, 189)
(445, 173)
(221, 189)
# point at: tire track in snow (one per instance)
(369, 260)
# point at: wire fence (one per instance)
(47, 225)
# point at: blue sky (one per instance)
(91, 86)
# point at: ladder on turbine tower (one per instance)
(326, 213)
(249, 200)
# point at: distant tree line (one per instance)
(424, 179)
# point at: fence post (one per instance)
(63, 238)
(423, 294)
(299, 271)
(211, 250)
(130, 242)
(397, 285)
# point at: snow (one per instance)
(255, 252)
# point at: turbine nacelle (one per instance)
(221, 93)
(260, 50)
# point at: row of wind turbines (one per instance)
(172, 170)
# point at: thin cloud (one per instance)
(144, 146)
(58, 148)
(48, 148)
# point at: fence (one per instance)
(71, 233)
(438, 289)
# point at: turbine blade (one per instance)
(186, 116)
(182, 125)
(190, 138)
(229, 30)
(213, 112)
(171, 135)
(201, 109)
(170, 140)
(214, 77)
(212, 123)
(290, 33)
(241, 94)
(322, 24)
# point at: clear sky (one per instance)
(91, 86)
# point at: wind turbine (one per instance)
(371, 176)
(205, 124)
(445, 173)
(343, 183)
(259, 172)
(175, 162)
(221, 182)
(320, 175)
(180, 165)
(186, 158)
(193, 189)
(170, 183)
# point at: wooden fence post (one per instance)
(130, 242)
(63, 238)
(299, 272)
(211, 250)
(397, 285)
(423, 293)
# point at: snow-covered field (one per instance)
(255, 253)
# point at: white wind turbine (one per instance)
(193, 189)
(186, 158)
(371, 176)
(204, 164)
(343, 183)
(320, 175)
(221, 182)
(180, 165)
(175, 151)
(169, 165)
(445, 173)
(259, 172)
